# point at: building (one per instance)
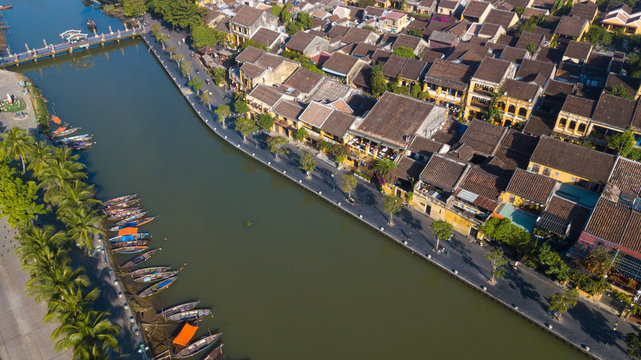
(574, 118)
(248, 21)
(307, 44)
(517, 102)
(393, 21)
(622, 18)
(267, 69)
(447, 83)
(343, 66)
(487, 79)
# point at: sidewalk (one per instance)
(586, 327)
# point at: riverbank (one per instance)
(586, 327)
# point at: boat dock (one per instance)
(73, 40)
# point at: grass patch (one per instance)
(39, 106)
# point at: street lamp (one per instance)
(333, 181)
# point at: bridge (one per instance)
(73, 40)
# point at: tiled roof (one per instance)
(266, 94)
(528, 38)
(492, 70)
(530, 186)
(363, 50)
(483, 183)
(299, 41)
(574, 159)
(532, 70)
(337, 31)
(614, 111)
(570, 26)
(381, 55)
(513, 54)
(539, 126)
(393, 66)
(500, 17)
(409, 41)
(265, 36)
(443, 37)
(253, 71)
(430, 56)
(424, 146)
(448, 4)
(475, 9)
(586, 10)
(449, 74)
(617, 224)
(247, 15)
(303, 80)
(315, 114)
(442, 172)
(409, 169)
(361, 79)
(558, 88)
(338, 123)
(631, 84)
(626, 176)
(268, 60)
(516, 149)
(482, 136)
(395, 118)
(250, 54)
(355, 35)
(340, 64)
(288, 109)
(578, 50)
(560, 214)
(519, 90)
(413, 69)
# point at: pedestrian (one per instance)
(516, 263)
(409, 236)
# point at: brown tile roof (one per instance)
(519, 90)
(413, 69)
(338, 123)
(299, 41)
(337, 31)
(355, 35)
(449, 4)
(395, 118)
(539, 126)
(442, 172)
(489, 29)
(268, 60)
(529, 12)
(500, 17)
(508, 40)
(381, 55)
(528, 37)
(531, 186)
(330, 90)
(363, 50)
(629, 83)
(534, 70)
(250, 54)
(614, 111)
(288, 109)
(449, 74)
(475, 9)
(443, 37)
(561, 214)
(578, 50)
(586, 10)
(570, 26)
(574, 159)
(315, 114)
(430, 56)
(617, 224)
(513, 54)
(483, 183)
(424, 146)
(247, 15)
(362, 77)
(626, 176)
(409, 169)
(407, 41)
(516, 149)
(393, 66)
(558, 88)
(492, 70)
(340, 64)
(303, 80)
(482, 136)
(253, 71)
(266, 94)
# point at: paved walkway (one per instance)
(587, 327)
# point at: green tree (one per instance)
(621, 91)
(266, 121)
(366, 3)
(171, 51)
(497, 265)
(219, 75)
(204, 99)
(241, 107)
(301, 134)
(78, 194)
(40, 245)
(178, 58)
(222, 111)
(623, 143)
(49, 282)
(598, 35)
(180, 14)
(277, 145)
(292, 28)
(249, 42)
(91, 336)
(307, 163)
(18, 198)
(60, 170)
(531, 48)
(385, 171)
(392, 205)
(560, 303)
(37, 156)
(186, 69)
(196, 84)
(348, 185)
(415, 91)
(415, 32)
(519, 10)
(404, 51)
(285, 17)
(443, 231)
(245, 126)
(202, 36)
(72, 304)
(84, 224)
(133, 8)
(304, 20)
(16, 144)
(276, 10)
(377, 81)
(633, 341)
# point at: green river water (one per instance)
(308, 282)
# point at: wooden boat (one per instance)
(131, 249)
(124, 214)
(6, 7)
(71, 139)
(147, 271)
(178, 308)
(118, 200)
(79, 146)
(91, 24)
(122, 205)
(215, 354)
(138, 259)
(198, 346)
(131, 218)
(63, 131)
(125, 238)
(156, 276)
(189, 315)
(133, 223)
(124, 244)
(156, 288)
(123, 210)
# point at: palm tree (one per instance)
(38, 155)
(61, 169)
(56, 280)
(91, 336)
(15, 144)
(84, 224)
(70, 305)
(77, 194)
(38, 244)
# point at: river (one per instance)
(307, 281)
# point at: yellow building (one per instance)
(574, 118)
(487, 79)
(517, 101)
(394, 21)
(529, 190)
(447, 84)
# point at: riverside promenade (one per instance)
(587, 327)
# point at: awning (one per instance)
(128, 231)
(185, 335)
(56, 120)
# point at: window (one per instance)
(581, 128)
(523, 112)
(511, 109)
(536, 168)
(562, 123)
(546, 171)
(572, 125)
(512, 198)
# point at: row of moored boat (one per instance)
(64, 136)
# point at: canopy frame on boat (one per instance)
(186, 334)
